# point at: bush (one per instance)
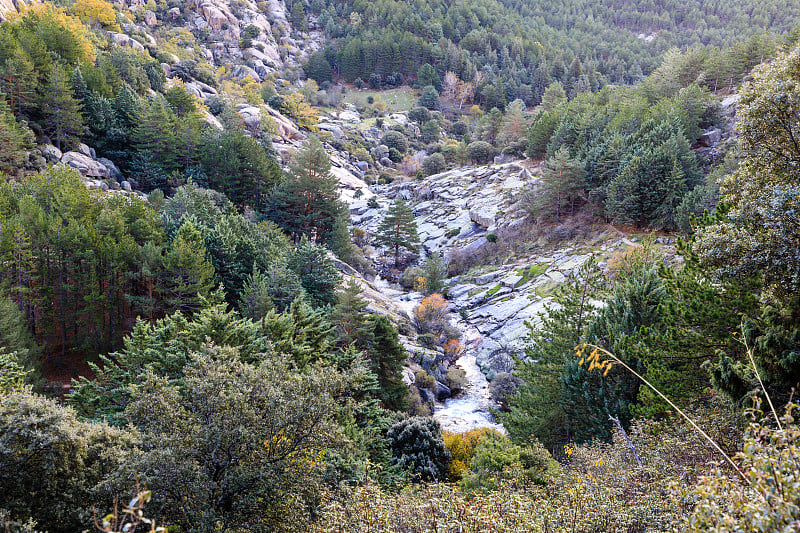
(395, 139)
(481, 151)
(431, 313)
(430, 131)
(496, 455)
(52, 465)
(771, 502)
(462, 449)
(416, 405)
(423, 380)
(420, 115)
(456, 380)
(452, 233)
(410, 277)
(395, 155)
(459, 129)
(434, 164)
(417, 446)
(502, 387)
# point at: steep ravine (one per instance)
(471, 408)
(463, 212)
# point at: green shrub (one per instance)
(481, 151)
(395, 139)
(52, 465)
(418, 447)
(456, 380)
(434, 164)
(411, 276)
(496, 456)
(419, 114)
(771, 501)
(423, 380)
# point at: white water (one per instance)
(470, 409)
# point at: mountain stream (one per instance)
(471, 408)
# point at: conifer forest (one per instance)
(341, 266)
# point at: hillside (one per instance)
(398, 266)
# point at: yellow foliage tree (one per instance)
(462, 449)
(304, 114)
(432, 310)
(63, 34)
(96, 13)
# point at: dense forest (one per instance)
(514, 50)
(190, 338)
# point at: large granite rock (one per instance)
(85, 165)
(50, 153)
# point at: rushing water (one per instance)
(469, 409)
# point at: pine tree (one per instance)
(154, 133)
(349, 318)
(399, 230)
(388, 356)
(63, 122)
(623, 204)
(537, 408)
(298, 15)
(316, 271)
(307, 203)
(15, 139)
(255, 300)
(563, 184)
(18, 81)
(514, 124)
(127, 107)
(15, 337)
(553, 96)
(188, 272)
(590, 397)
(239, 167)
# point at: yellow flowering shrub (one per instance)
(462, 449)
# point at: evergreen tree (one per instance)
(318, 275)
(349, 318)
(255, 300)
(388, 356)
(563, 184)
(19, 82)
(188, 272)
(427, 76)
(307, 203)
(591, 397)
(154, 133)
(16, 338)
(429, 98)
(399, 230)
(553, 96)
(318, 68)
(15, 139)
(298, 15)
(537, 407)
(238, 166)
(63, 121)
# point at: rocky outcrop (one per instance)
(50, 153)
(120, 39)
(458, 208)
(9, 7)
(85, 165)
